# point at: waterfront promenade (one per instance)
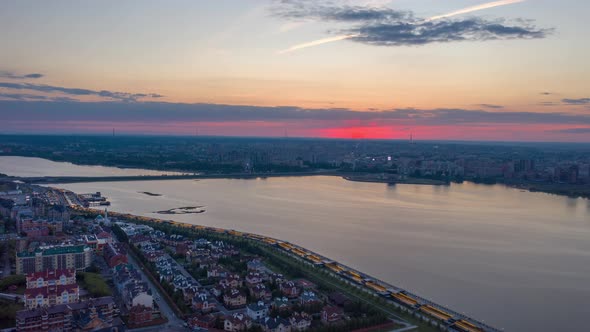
(421, 308)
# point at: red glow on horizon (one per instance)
(312, 128)
(359, 132)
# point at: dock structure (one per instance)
(448, 319)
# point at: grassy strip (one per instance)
(94, 284)
(321, 277)
(14, 279)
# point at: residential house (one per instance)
(48, 296)
(140, 240)
(289, 289)
(93, 314)
(203, 303)
(300, 321)
(309, 298)
(202, 321)
(232, 280)
(277, 278)
(332, 315)
(257, 310)
(305, 284)
(276, 324)
(281, 304)
(234, 298)
(114, 254)
(51, 277)
(237, 322)
(51, 287)
(217, 272)
(261, 292)
(140, 314)
(255, 265)
(254, 278)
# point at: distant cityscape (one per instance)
(558, 168)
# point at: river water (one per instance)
(516, 260)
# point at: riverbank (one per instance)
(388, 298)
(376, 178)
(560, 189)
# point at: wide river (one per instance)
(516, 260)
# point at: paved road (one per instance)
(12, 297)
(174, 323)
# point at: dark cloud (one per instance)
(572, 131)
(31, 97)
(121, 96)
(158, 112)
(490, 106)
(580, 101)
(11, 75)
(328, 11)
(441, 31)
(387, 27)
(549, 103)
(546, 93)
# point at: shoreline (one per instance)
(407, 300)
(414, 181)
(558, 189)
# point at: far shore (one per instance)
(561, 189)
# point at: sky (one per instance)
(508, 70)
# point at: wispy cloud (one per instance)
(475, 8)
(121, 96)
(490, 106)
(13, 76)
(316, 43)
(579, 101)
(384, 26)
(31, 97)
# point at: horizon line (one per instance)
(137, 135)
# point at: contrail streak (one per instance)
(316, 43)
(475, 8)
(455, 13)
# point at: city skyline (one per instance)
(512, 70)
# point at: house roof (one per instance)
(46, 291)
(52, 274)
(273, 323)
(238, 318)
(257, 306)
(61, 308)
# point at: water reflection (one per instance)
(572, 203)
(465, 245)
